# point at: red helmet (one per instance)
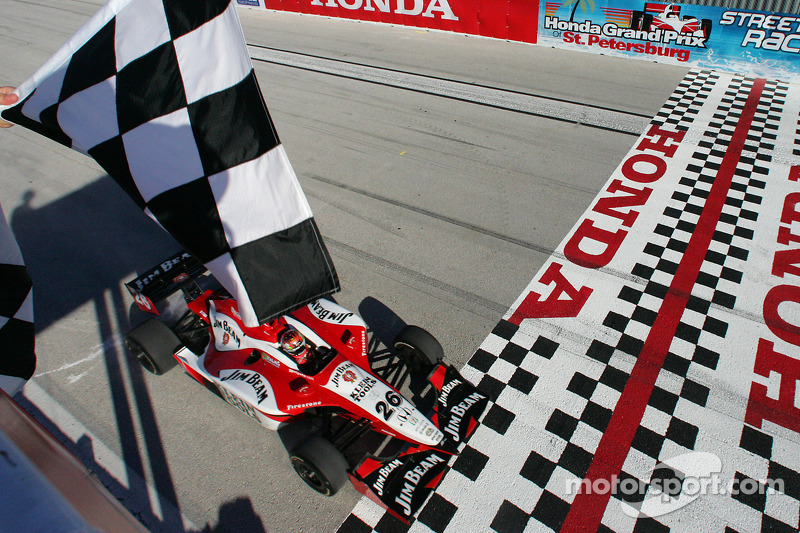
(293, 343)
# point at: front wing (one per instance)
(404, 482)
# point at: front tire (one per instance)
(153, 344)
(320, 465)
(420, 349)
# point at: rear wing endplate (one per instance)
(166, 278)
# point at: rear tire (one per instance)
(320, 465)
(421, 349)
(636, 20)
(647, 20)
(153, 344)
(705, 26)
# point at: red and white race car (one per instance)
(668, 17)
(310, 369)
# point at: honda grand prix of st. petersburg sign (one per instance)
(733, 40)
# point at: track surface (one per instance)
(443, 170)
(624, 367)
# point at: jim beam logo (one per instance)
(163, 268)
(458, 412)
(327, 315)
(343, 374)
(228, 333)
(383, 473)
(253, 379)
(412, 479)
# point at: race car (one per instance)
(310, 371)
(667, 17)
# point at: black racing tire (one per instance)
(320, 465)
(705, 26)
(647, 20)
(636, 20)
(153, 344)
(420, 348)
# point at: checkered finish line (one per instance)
(162, 94)
(646, 379)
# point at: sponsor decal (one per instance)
(254, 379)
(327, 315)
(362, 388)
(427, 8)
(302, 405)
(252, 3)
(229, 331)
(382, 474)
(143, 302)
(779, 404)
(349, 376)
(164, 267)
(338, 375)
(446, 390)
(271, 360)
(406, 416)
(592, 246)
(237, 402)
(412, 479)
(457, 413)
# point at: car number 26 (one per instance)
(386, 408)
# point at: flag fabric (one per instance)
(17, 358)
(163, 95)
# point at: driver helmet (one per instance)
(293, 343)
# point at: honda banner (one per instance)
(515, 20)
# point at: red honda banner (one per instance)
(515, 20)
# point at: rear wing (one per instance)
(165, 279)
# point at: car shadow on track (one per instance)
(383, 325)
(79, 250)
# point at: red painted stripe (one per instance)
(587, 509)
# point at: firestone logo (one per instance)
(400, 7)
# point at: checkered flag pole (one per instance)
(17, 358)
(162, 94)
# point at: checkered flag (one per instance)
(162, 94)
(17, 359)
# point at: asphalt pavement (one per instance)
(438, 202)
